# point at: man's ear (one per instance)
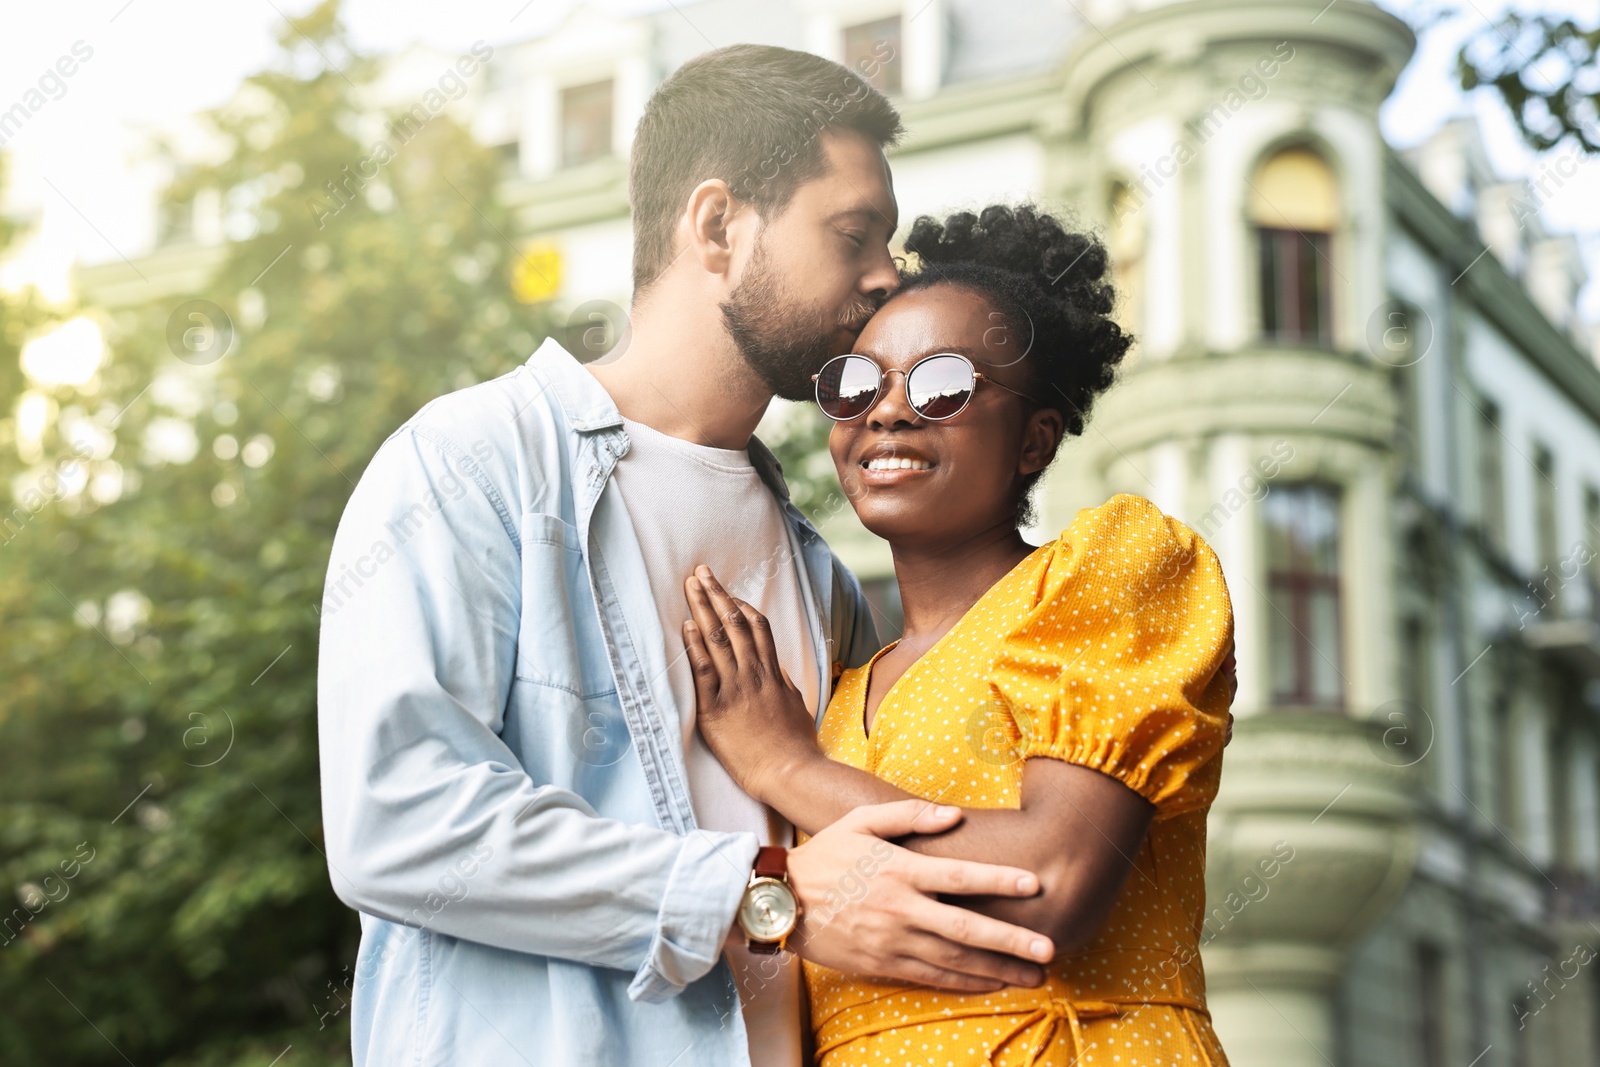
(709, 217)
(1040, 439)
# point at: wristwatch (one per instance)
(769, 909)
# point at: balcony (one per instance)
(1323, 797)
(1569, 638)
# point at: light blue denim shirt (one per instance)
(503, 786)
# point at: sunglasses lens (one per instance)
(847, 387)
(940, 386)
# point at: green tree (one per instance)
(1544, 67)
(158, 716)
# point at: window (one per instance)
(872, 49)
(1547, 582)
(1591, 548)
(585, 123)
(1430, 1004)
(1408, 427)
(1558, 785)
(1294, 285)
(1416, 678)
(1503, 757)
(175, 223)
(1521, 1009)
(509, 156)
(1402, 341)
(1294, 207)
(1127, 256)
(1594, 1013)
(1491, 475)
(1302, 527)
(1416, 744)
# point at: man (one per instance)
(547, 860)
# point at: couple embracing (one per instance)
(614, 765)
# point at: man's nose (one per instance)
(881, 278)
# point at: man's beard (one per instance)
(784, 343)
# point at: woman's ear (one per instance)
(1040, 439)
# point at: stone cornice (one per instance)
(166, 271)
(1259, 389)
(963, 113)
(592, 193)
(1181, 31)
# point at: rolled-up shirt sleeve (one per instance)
(430, 818)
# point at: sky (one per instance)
(151, 61)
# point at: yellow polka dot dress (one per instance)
(1103, 649)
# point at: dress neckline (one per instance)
(866, 670)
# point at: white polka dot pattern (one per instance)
(1106, 644)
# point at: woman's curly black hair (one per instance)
(1050, 287)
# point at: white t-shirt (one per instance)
(692, 504)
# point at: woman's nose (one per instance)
(892, 407)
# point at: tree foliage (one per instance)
(159, 815)
(1544, 68)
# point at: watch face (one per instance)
(768, 910)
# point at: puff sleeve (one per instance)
(1119, 664)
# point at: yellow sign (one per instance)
(536, 274)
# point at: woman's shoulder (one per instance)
(1125, 539)
(1129, 520)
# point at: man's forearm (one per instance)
(1079, 883)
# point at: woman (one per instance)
(1072, 698)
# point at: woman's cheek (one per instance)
(849, 473)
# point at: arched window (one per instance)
(1126, 245)
(1294, 207)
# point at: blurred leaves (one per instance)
(158, 706)
(1544, 68)
(798, 437)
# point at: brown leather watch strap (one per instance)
(772, 861)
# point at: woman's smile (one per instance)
(887, 463)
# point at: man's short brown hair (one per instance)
(751, 115)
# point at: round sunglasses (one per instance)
(938, 387)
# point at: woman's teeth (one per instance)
(892, 463)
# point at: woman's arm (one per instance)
(1077, 829)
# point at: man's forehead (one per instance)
(856, 180)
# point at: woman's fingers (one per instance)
(713, 633)
(734, 623)
(766, 648)
(706, 675)
(961, 967)
(914, 968)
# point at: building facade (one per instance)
(1360, 376)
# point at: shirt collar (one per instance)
(587, 405)
(589, 408)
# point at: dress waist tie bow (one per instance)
(1053, 1013)
(1059, 1011)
